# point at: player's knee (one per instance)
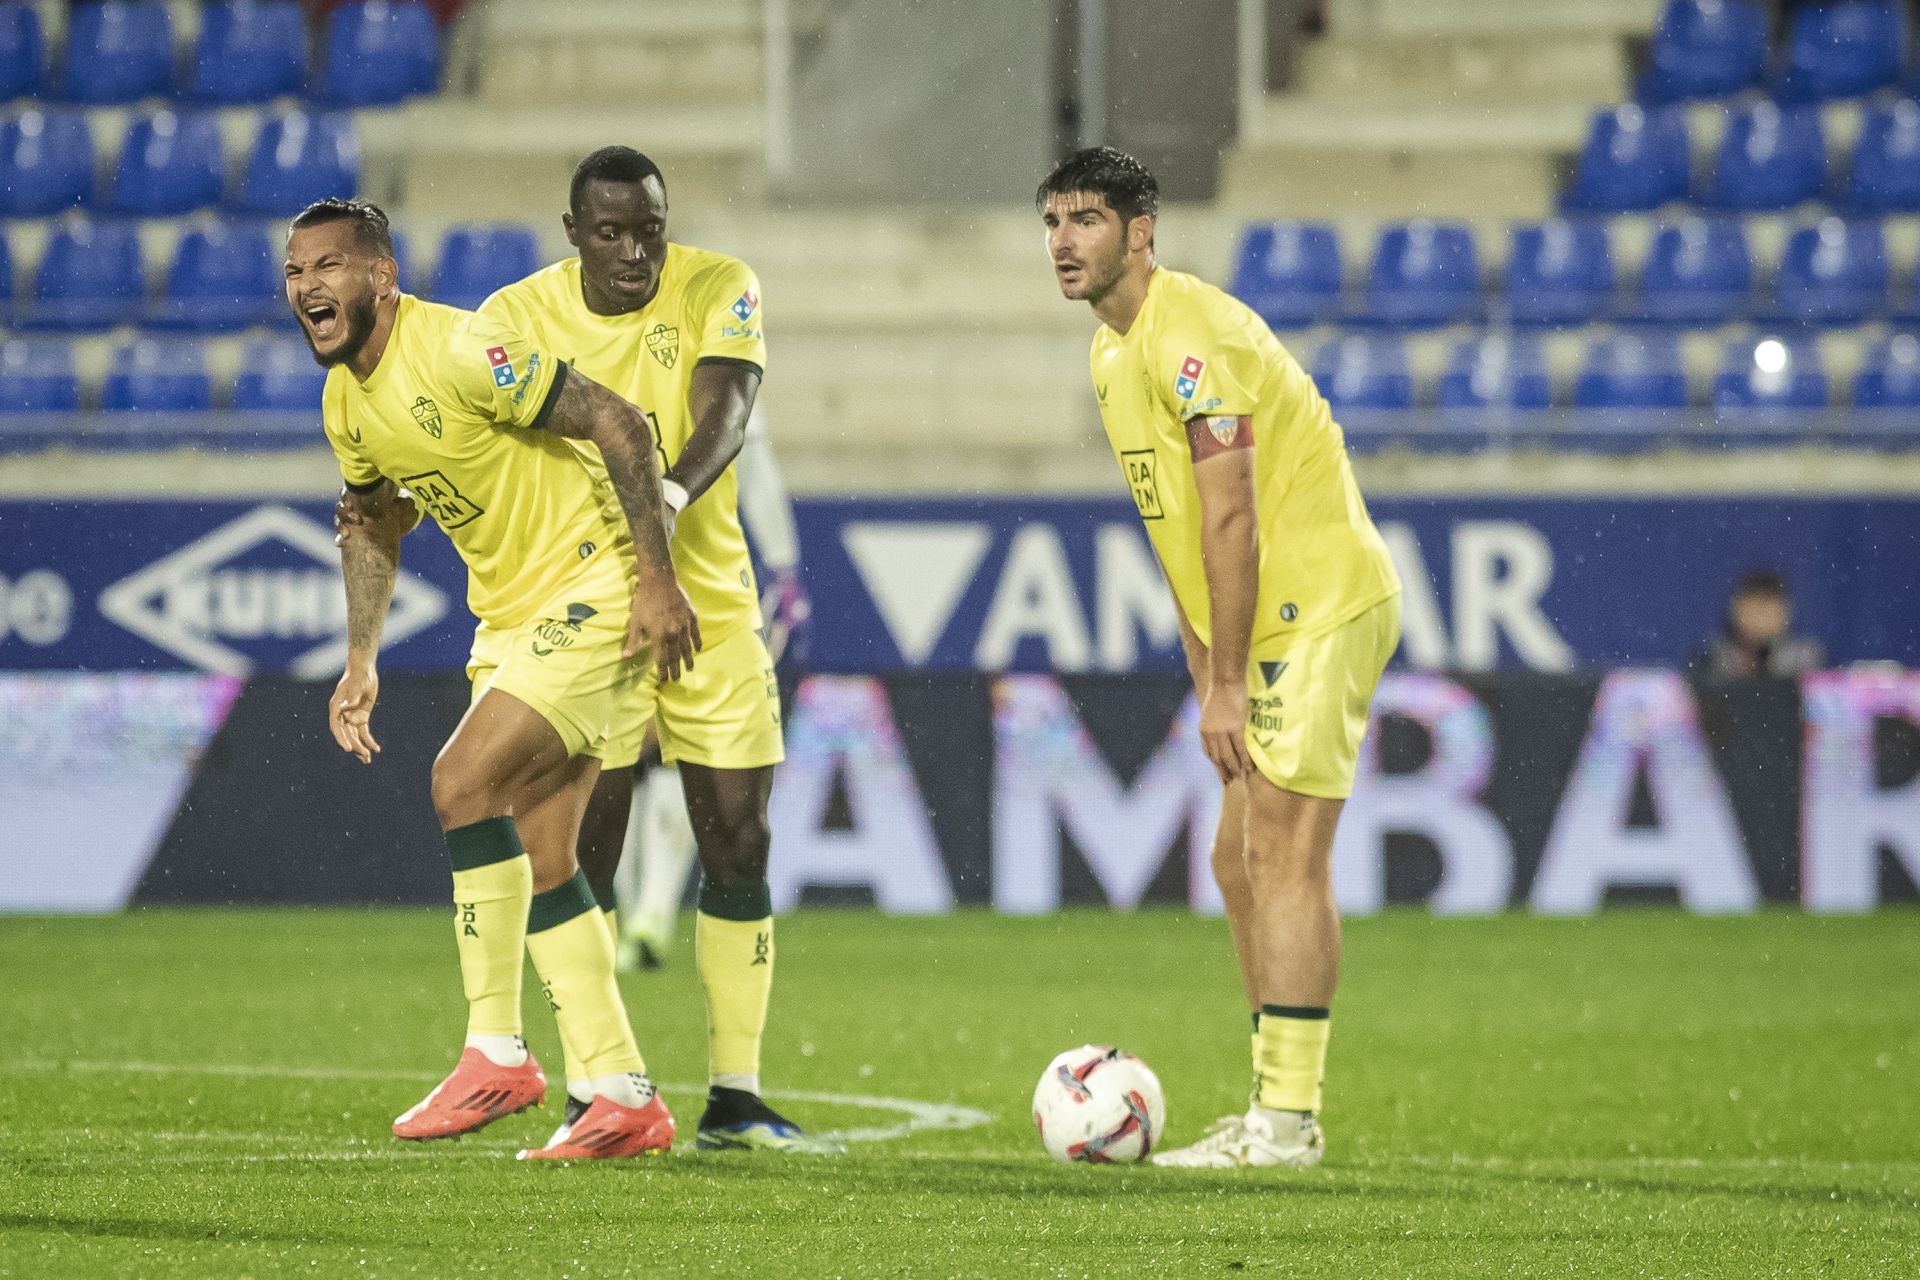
(456, 795)
(737, 853)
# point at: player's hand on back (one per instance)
(662, 617)
(350, 713)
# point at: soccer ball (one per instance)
(1098, 1105)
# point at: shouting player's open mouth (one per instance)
(322, 319)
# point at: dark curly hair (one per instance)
(1114, 176)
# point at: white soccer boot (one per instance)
(1258, 1139)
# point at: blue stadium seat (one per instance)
(1886, 160)
(1833, 273)
(1290, 273)
(1698, 272)
(1890, 378)
(296, 159)
(1424, 274)
(1559, 273)
(1770, 373)
(279, 376)
(249, 51)
(89, 278)
(1841, 48)
(23, 51)
(169, 164)
(1496, 372)
(149, 376)
(1632, 371)
(379, 53)
(1770, 157)
(1635, 158)
(477, 259)
(37, 376)
(46, 162)
(224, 276)
(1356, 372)
(117, 51)
(1705, 49)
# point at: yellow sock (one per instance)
(573, 954)
(492, 884)
(733, 950)
(1290, 1056)
(576, 1076)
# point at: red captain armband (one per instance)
(1211, 437)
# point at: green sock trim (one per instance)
(1256, 1022)
(560, 904)
(746, 902)
(1302, 1012)
(483, 843)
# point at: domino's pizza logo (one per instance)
(1188, 380)
(502, 365)
(744, 304)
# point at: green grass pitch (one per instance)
(1641, 1094)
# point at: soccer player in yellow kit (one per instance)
(1289, 607)
(569, 586)
(679, 330)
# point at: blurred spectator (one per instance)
(1756, 640)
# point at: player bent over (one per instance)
(476, 422)
(1289, 606)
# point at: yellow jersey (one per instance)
(707, 308)
(452, 412)
(1193, 351)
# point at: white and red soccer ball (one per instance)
(1099, 1105)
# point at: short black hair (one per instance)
(1113, 175)
(1762, 582)
(613, 164)
(369, 222)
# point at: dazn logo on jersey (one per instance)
(744, 304)
(502, 366)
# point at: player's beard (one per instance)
(1113, 270)
(358, 316)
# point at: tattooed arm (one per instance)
(661, 616)
(369, 561)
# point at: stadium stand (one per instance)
(476, 260)
(153, 376)
(298, 158)
(224, 277)
(169, 163)
(1841, 49)
(249, 51)
(1705, 49)
(1833, 273)
(1559, 273)
(46, 161)
(1361, 372)
(1290, 272)
(89, 279)
(116, 51)
(1698, 272)
(1884, 176)
(1641, 371)
(1635, 158)
(23, 51)
(1770, 157)
(1495, 372)
(380, 53)
(1423, 275)
(1770, 373)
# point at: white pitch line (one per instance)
(920, 1116)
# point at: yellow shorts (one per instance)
(1309, 703)
(566, 665)
(724, 714)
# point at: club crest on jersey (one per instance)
(744, 304)
(1225, 430)
(427, 414)
(1188, 380)
(663, 343)
(502, 366)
